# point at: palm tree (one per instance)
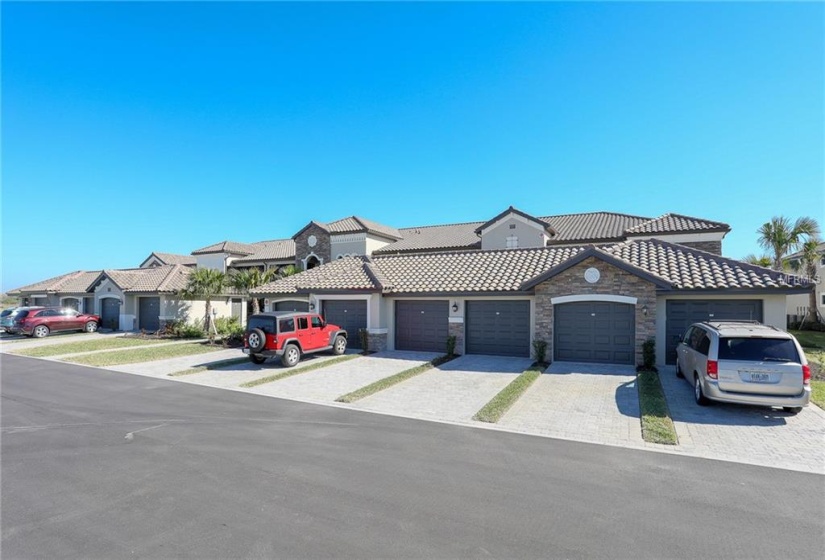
(782, 237)
(761, 260)
(249, 279)
(205, 283)
(810, 259)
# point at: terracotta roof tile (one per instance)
(275, 250)
(227, 247)
(677, 223)
(343, 274)
(172, 258)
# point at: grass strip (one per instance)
(295, 371)
(138, 355)
(388, 382)
(818, 392)
(210, 366)
(657, 426)
(501, 403)
(84, 346)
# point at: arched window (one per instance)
(312, 262)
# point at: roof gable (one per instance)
(511, 211)
(231, 247)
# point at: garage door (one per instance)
(291, 306)
(149, 314)
(681, 314)
(41, 301)
(421, 325)
(595, 331)
(348, 314)
(110, 313)
(500, 328)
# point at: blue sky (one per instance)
(132, 128)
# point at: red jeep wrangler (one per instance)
(289, 335)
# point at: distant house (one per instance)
(798, 304)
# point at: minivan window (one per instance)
(286, 325)
(6, 312)
(704, 345)
(264, 323)
(758, 349)
(696, 337)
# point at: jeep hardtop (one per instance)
(289, 335)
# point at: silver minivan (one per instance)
(744, 362)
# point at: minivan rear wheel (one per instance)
(698, 393)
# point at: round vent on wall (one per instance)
(312, 240)
(592, 275)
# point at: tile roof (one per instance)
(354, 224)
(350, 273)
(677, 223)
(172, 258)
(227, 247)
(275, 250)
(518, 212)
(73, 282)
(687, 268)
(591, 226)
(435, 238)
(167, 278)
(669, 265)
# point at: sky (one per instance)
(129, 128)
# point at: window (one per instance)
(823, 299)
(265, 324)
(302, 323)
(704, 345)
(317, 323)
(512, 242)
(758, 349)
(69, 312)
(822, 261)
(696, 337)
(286, 325)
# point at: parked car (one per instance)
(40, 323)
(289, 335)
(744, 362)
(8, 316)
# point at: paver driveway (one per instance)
(751, 434)
(585, 402)
(454, 391)
(329, 383)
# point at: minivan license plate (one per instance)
(760, 377)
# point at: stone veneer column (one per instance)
(377, 341)
(323, 247)
(612, 281)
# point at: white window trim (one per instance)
(594, 297)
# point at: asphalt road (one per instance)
(99, 464)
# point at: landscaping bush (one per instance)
(540, 351)
(182, 329)
(364, 337)
(648, 356)
(451, 345)
(230, 330)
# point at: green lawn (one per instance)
(85, 346)
(501, 403)
(657, 426)
(148, 354)
(813, 343)
(388, 382)
(289, 372)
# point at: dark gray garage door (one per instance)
(149, 314)
(348, 314)
(291, 306)
(421, 325)
(681, 314)
(110, 313)
(595, 331)
(500, 328)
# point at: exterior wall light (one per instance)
(311, 306)
(644, 310)
(455, 307)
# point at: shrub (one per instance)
(182, 329)
(230, 329)
(364, 337)
(540, 351)
(451, 345)
(648, 356)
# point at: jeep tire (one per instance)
(339, 345)
(291, 356)
(256, 340)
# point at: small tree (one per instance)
(205, 283)
(245, 280)
(782, 237)
(810, 260)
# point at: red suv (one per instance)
(289, 335)
(40, 323)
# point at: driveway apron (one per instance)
(585, 402)
(751, 434)
(329, 383)
(454, 391)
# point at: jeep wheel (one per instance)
(256, 340)
(340, 345)
(257, 359)
(292, 355)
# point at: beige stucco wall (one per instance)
(176, 309)
(348, 244)
(374, 243)
(215, 261)
(529, 234)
